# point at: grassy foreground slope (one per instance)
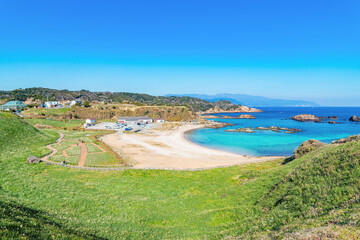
(254, 200)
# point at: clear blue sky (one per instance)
(286, 49)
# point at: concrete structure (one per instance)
(159, 120)
(53, 104)
(12, 105)
(134, 120)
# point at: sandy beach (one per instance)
(170, 149)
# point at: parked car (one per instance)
(128, 129)
(107, 127)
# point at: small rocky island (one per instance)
(354, 119)
(272, 128)
(306, 118)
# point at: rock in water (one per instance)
(31, 159)
(245, 130)
(306, 118)
(219, 125)
(354, 119)
(307, 147)
(244, 116)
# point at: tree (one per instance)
(86, 104)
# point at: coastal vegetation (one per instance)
(313, 196)
(111, 112)
(37, 95)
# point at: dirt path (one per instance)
(83, 155)
(54, 150)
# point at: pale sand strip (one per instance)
(170, 149)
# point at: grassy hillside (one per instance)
(16, 134)
(112, 111)
(265, 200)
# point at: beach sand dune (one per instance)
(170, 149)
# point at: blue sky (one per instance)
(286, 49)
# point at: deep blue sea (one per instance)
(269, 143)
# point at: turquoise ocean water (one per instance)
(268, 143)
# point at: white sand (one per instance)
(170, 149)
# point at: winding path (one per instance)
(54, 150)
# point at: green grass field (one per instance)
(56, 123)
(47, 111)
(309, 196)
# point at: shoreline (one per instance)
(171, 149)
(201, 145)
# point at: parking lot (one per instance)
(120, 127)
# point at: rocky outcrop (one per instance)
(279, 129)
(246, 130)
(240, 109)
(307, 147)
(333, 117)
(248, 109)
(346, 140)
(244, 116)
(333, 122)
(354, 119)
(306, 118)
(219, 125)
(31, 159)
(273, 128)
(209, 116)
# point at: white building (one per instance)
(53, 104)
(134, 120)
(159, 120)
(73, 102)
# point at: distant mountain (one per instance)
(252, 101)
